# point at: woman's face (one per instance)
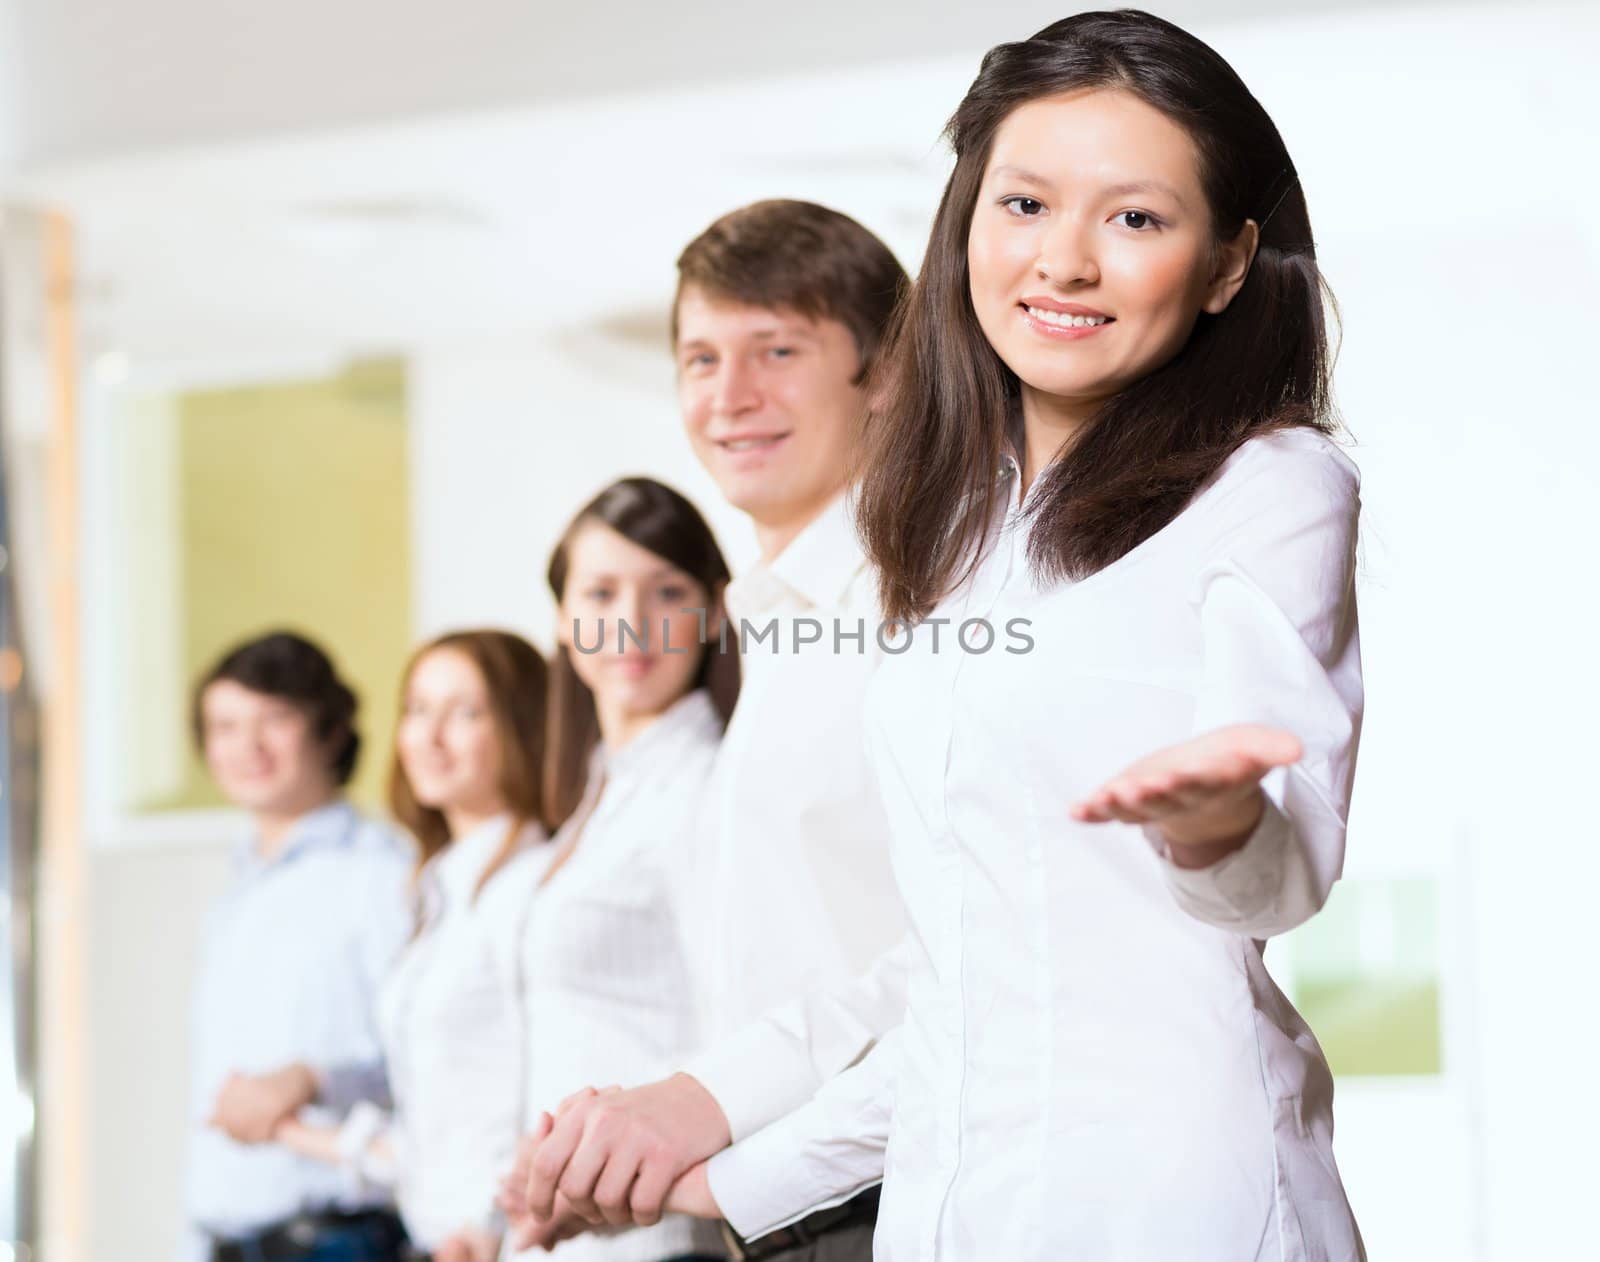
(1091, 251)
(631, 622)
(448, 745)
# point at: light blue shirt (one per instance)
(289, 970)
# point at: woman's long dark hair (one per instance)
(658, 519)
(944, 401)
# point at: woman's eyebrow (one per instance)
(1144, 186)
(1021, 173)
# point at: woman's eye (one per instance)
(598, 594)
(1023, 207)
(673, 593)
(1135, 219)
(781, 352)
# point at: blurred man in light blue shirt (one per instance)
(290, 963)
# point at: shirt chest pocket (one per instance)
(605, 940)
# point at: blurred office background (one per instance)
(329, 313)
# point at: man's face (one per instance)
(262, 751)
(769, 401)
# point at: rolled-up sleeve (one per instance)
(1281, 647)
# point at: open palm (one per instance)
(1205, 792)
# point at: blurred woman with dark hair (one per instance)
(1104, 417)
(640, 693)
(467, 782)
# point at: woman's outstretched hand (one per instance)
(1204, 796)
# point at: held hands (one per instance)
(523, 1229)
(691, 1194)
(470, 1244)
(614, 1156)
(320, 1143)
(1203, 795)
(250, 1107)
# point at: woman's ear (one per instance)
(1232, 266)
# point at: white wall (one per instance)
(1444, 166)
(10, 88)
(508, 442)
(146, 906)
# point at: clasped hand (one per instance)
(617, 1158)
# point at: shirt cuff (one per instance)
(1242, 885)
(361, 1129)
(759, 1186)
(755, 1077)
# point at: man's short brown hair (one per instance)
(800, 257)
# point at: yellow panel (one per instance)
(292, 514)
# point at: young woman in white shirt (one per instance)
(1105, 418)
(640, 691)
(467, 781)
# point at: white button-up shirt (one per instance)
(290, 964)
(450, 1015)
(1094, 1061)
(793, 888)
(607, 991)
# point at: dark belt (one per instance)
(859, 1210)
(298, 1236)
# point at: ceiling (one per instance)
(97, 77)
(559, 216)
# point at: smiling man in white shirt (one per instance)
(781, 307)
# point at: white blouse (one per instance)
(1094, 1061)
(608, 1000)
(449, 1018)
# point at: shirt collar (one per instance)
(818, 565)
(331, 824)
(691, 713)
(459, 866)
